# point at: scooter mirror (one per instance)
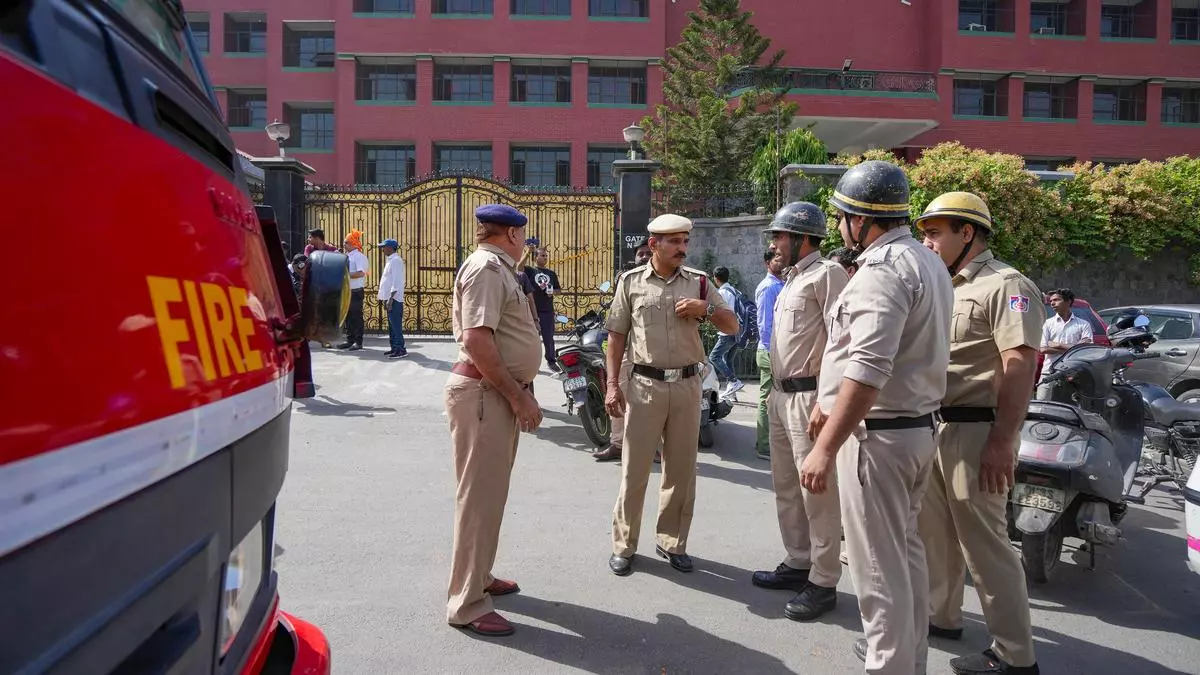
(562, 319)
(604, 286)
(1141, 321)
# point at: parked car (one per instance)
(1177, 328)
(1083, 310)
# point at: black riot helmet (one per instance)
(799, 218)
(874, 189)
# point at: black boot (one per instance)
(988, 663)
(783, 578)
(811, 603)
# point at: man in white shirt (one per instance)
(358, 281)
(1063, 330)
(725, 342)
(391, 294)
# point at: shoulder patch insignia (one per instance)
(1018, 303)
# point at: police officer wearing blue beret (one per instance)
(489, 400)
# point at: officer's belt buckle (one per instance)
(672, 374)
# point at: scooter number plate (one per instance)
(575, 384)
(1038, 497)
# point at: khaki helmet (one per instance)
(962, 206)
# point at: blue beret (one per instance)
(500, 214)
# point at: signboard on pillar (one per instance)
(634, 200)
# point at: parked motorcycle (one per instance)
(1172, 427)
(584, 371)
(1080, 448)
(713, 406)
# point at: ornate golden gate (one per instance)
(434, 222)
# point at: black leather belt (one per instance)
(669, 374)
(966, 414)
(793, 385)
(885, 424)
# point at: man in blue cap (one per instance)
(391, 295)
(489, 399)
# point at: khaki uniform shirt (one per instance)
(644, 311)
(488, 294)
(890, 329)
(798, 337)
(996, 308)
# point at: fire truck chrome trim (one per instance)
(42, 494)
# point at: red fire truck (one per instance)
(150, 347)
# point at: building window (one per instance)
(247, 109)
(1049, 100)
(1185, 22)
(1128, 20)
(541, 166)
(245, 33)
(599, 166)
(981, 97)
(1047, 163)
(312, 126)
(381, 79)
(462, 82)
(384, 164)
(541, 7)
(1180, 105)
(304, 48)
(541, 83)
(624, 85)
(1119, 103)
(627, 9)
(383, 6)
(992, 16)
(462, 6)
(198, 23)
(463, 159)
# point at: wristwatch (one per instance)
(709, 312)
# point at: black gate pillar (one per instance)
(283, 179)
(633, 204)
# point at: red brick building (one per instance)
(537, 91)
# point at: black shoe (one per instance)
(389, 352)
(345, 345)
(680, 561)
(986, 663)
(354, 348)
(398, 354)
(945, 633)
(810, 603)
(621, 567)
(610, 454)
(860, 649)
(783, 578)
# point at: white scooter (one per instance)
(713, 406)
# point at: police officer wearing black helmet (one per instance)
(809, 522)
(882, 378)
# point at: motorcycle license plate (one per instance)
(1039, 497)
(575, 384)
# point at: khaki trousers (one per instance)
(617, 436)
(811, 524)
(658, 410)
(883, 476)
(484, 432)
(964, 528)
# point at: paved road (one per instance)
(365, 527)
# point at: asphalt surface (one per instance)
(364, 532)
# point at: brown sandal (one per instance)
(488, 625)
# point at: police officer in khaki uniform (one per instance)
(658, 309)
(613, 452)
(489, 400)
(996, 329)
(810, 523)
(883, 377)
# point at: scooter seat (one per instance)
(1168, 411)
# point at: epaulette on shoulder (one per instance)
(630, 271)
(695, 271)
(879, 256)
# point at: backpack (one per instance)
(747, 315)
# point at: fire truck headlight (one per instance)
(244, 576)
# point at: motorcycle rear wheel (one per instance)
(1040, 553)
(594, 418)
(706, 435)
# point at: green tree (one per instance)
(703, 138)
(798, 146)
